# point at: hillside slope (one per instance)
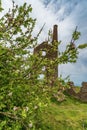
(71, 114)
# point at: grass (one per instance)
(70, 114)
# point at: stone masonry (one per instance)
(83, 92)
(81, 95)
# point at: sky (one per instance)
(67, 14)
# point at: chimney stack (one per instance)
(55, 35)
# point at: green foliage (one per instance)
(75, 35)
(82, 46)
(67, 115)
(0, 6)
(23, 96)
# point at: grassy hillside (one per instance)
(71, 114)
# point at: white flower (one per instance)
(30, 125)
(35, 107)
(10, 94)
(15, 108)
(26, 108)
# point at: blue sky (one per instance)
(67, 14)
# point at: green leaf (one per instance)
(1, 7)
(24, 115)
(82, 46)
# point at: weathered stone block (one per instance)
(83, 97)
(84, 87)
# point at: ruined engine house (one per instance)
(49, 51)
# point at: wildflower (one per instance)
(26, 108)
(30, 125)
(10, 94)
(35, 107)
(15, 108)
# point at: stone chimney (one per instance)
(55, 33)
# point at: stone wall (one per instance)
(82, 95)
(83, 92)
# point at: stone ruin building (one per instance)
(51, 55)
(81, 95)
(46, 49)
